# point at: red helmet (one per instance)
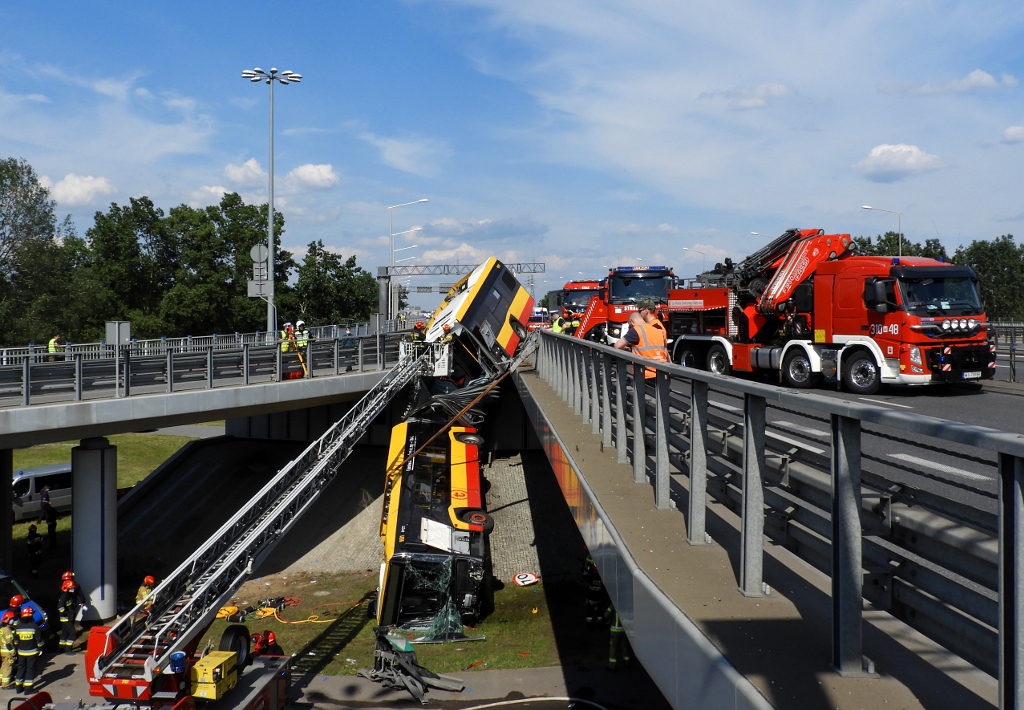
(68, 575)
(17, 600)
(148, 580)
(68, 586)
(420, 324)
(269, 637)
(7, 618)
(446, 327)
(27, 612)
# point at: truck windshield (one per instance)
(949, 295)
(577, 300)
(630, 288)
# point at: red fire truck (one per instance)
(806, 307)
(576, 296)
(608, 309)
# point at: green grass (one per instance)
(342, 642)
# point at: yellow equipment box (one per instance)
(214, 675)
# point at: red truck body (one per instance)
(809, 309)
(606, 313)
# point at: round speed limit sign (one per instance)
(525, 579)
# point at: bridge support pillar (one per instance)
(94, 532)
(6, 514)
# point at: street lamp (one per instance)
(899, 225)
(701, 257)
(271, 77)
(391, 241)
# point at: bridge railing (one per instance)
(1008, 337)
(132, 370)
(951, 570)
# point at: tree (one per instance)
(26, 210)
(330, 290)
(999, 265)
(889, 245)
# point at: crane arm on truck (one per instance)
(799, 262)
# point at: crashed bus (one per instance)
(434, 522)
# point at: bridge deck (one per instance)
(780, 644)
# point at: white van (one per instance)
(28, 484)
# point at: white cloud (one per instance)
(78, 189)
(744, 98)
(1013, 134)
(207, 195)
(517, 228)
(248, 174)
(311, 175)
(419, 156)
(977, 80)
(888, 163)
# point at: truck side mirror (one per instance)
(875, 297)
(603, 294)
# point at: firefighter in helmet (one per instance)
(270, 645)
(29, 643)
(71, 601)
(8, 649)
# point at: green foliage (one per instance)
(889, 245)
(330, 290)
(26, 210)
(999, 265)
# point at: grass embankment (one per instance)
(331, 634)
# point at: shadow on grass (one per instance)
(319, 652)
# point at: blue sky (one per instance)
(580, 134)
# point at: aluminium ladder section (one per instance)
(187, 601)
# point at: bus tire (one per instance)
(478, 517)
(796, 370)
(236, 638)
(519, 329)
(860, 373)
(718, 360)
(688, 356)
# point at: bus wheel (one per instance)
(236, 638)
(860, 374)
(519, 330)
(718, 360)
(478, 517)
(796, 369)
(688, 356)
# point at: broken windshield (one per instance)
(945, 295)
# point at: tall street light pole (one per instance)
(899, 225)
(271, 77)
(392, 301)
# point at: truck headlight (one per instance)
(947, 325)
(915, 356)
(963, 324)
(971, 323)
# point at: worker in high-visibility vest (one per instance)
(53, 348)
(29, 643)
(301, 335)
(287, 338)
(8, 649)
(646, 336)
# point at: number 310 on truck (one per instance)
(805, 306)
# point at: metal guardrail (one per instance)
(953, 580)
(1006, 336)
(130, 371)
(188, 599)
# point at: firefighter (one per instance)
(270, 645)
(8, 649)
(29, 644)
(594, 600)
(148, 582)
(71, 601)
(618, 644)
(19, 603)
(34, 542)
(417, 336)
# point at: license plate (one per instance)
(971, 375)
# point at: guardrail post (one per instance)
(561, 382)
(209, 368)
(575, 380)
(606, 401)
(847, 574)
(26, 380)
(361, 345)
(586, 384)
(621, 447)
(1011, 581)
(78, 377)
(595, 392)
(752, 533)
(169, 369)
(639, 425)
(696, 533)
(337, 359)
(245, 363)
(128, 371)
(279, 365)
(662, 464)
(309, 359)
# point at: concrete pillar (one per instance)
(94, 525)
(6, 514)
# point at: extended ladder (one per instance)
(187, 601)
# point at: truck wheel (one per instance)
(236, 638)
(718, 360)
(860, 374)
(796, 370)
(688, 356)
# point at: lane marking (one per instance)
(728, 407)
(803, 445)
(888, 404)
(802, 429)
(939, 466)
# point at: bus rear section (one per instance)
(434, 530)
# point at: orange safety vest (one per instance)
(652, 344)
